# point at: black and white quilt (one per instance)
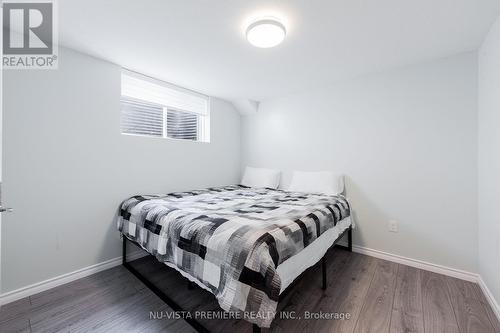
(231, 238)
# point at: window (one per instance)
(158, 109)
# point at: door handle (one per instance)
(6, 210)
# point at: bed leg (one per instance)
(256, 329)
(323, 268)
(124, 250)
(349, 239)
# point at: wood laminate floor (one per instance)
(377, 295)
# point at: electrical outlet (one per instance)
(393, 226)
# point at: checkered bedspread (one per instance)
(231, 238)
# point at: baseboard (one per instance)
(35, 288)
(489, 296)
(440, 269)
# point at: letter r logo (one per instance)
(28, 28)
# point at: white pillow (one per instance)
(316, 182)
(260, 177)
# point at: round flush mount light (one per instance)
(266, 32)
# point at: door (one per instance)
(2, 208)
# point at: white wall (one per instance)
(407, 139)
(67, 167)
(489, 160)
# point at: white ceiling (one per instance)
(200, 44)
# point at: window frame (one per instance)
(203, 121)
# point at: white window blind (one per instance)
(155, 108)
(140, 117)
(182, 125)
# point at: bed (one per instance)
(244, 245)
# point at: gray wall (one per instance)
(407, 140)
(489, 160)
(67, 167)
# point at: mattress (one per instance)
(235, 241)
(290, 269)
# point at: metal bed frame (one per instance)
(193, 322)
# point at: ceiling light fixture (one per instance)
(266, 32)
